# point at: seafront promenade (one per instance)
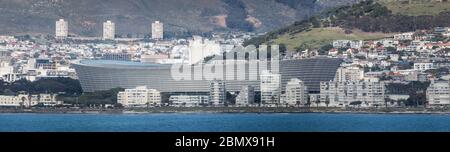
(227, 110)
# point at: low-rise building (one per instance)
(423, 66)
(354, 44)
(349, 74)
(13, 101)
(188, 100)
(27, 100)
(438, 93)
(138, 97)
(368, 92)
(404, 36)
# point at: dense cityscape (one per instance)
(224, 75)
(408, 69)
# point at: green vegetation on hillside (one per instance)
(416, 7)
(317, 37)
(370, 18)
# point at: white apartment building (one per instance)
(48, 99)
(188, 100)
(16, 101)
(61, 29)
(157, 30)
(27, 100)
(138, 97)
(438, 93)
(387, 42)
(5, 68)
(354, 44)
(270, 85)
(217, 93)
(370, 92)
(296, 92)
(246, 96)
(404, 36)
(423, 66)
(109, 30)
(352, 73)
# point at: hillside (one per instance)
(416, 7)
(365, 20)
(317, 37)
(134, 16)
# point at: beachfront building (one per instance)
(438, 93)
(296, 93)
(139, 97)
(246, 96)
(27, 100)
(14, 101)
(217, 93)
(367, 93)
(270, 88)
(188, 100)
(48, 99)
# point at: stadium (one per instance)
(97, 75)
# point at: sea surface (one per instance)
(222, 122)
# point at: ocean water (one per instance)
(214, 122)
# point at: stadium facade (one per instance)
(97, 75)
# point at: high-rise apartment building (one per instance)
(217, 93)
(61, 29)
(296, 92)
(270, 87)
(157, 30)
(109, 30)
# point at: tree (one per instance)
(391, 49)
(356, 103)
(317, 103)
(315, 22)
(98, 97)
(324, 49)
(8, 92)
(22, 104)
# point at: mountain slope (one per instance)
(416, 7)
(135, 16)
(366, 18)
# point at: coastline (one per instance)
(225, 110)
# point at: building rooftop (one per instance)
(114, 63)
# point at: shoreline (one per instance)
(227, 110)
